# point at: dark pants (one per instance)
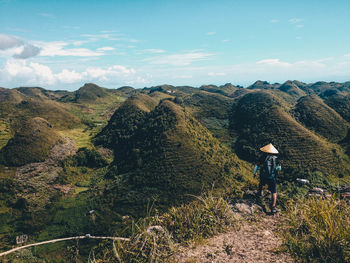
(271, 183)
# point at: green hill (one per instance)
(260, 119)
(317, 116)
(37, 92)
(126, 90)
(259, 84)
(226, 89)
(125, 120)
(292, 89)
(8, 96)
(88, 93)
(169, 157)
(31, 143)
(341, 104)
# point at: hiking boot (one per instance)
(275, 210)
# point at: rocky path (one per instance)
(255, 241)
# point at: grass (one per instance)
(5, 132)
(81, 136)
(32, 142)
(318, 230)
(80, 189)
(260, 119)
(169, 156)
(155, 238)
(317, 116)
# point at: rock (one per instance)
(302, 181)
(242, 208)
(318, 190)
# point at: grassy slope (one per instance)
(212, 110)
(317, 116)
(260, 119)
(341, 104)
(31, 143)
(125, 119)
(169, 156)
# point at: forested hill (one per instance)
(81, 162)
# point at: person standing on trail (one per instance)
(269, 165)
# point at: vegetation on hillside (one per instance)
(166, 145)
(318, 230)
(31, 143)
(260, 119)
(155, 238)
(169, 156)
(317, 116)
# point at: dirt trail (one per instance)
(255, 241)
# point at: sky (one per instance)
(60, 44)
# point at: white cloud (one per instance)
(105, 49)
(66, 76)
(154, 51)
(11, 46)
(274, 21)
(27, 52)
(106, 73)
(299, 26)
(20, 72)
(214, 74)
(137, 80)
(272, 62)
(295, 20)
(211, 33)
(109, 36)
(28, 74)
(347, 55)
(298, 37)
(225, 40)
(57, 48)
(181, 59)
(8, 41)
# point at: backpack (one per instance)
(269, 167)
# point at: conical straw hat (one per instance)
(269, 149)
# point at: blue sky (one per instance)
(64, 44)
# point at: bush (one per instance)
(318, 230)
(86, 157)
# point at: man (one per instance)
(269, 165)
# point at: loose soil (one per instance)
(256, 241)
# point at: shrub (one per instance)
(318, 230)
(86, 157)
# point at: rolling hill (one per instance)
(169, 157)
(260, 119)
(319, 117)
(128, 152)
(32, 142)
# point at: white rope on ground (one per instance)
(59, 240)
